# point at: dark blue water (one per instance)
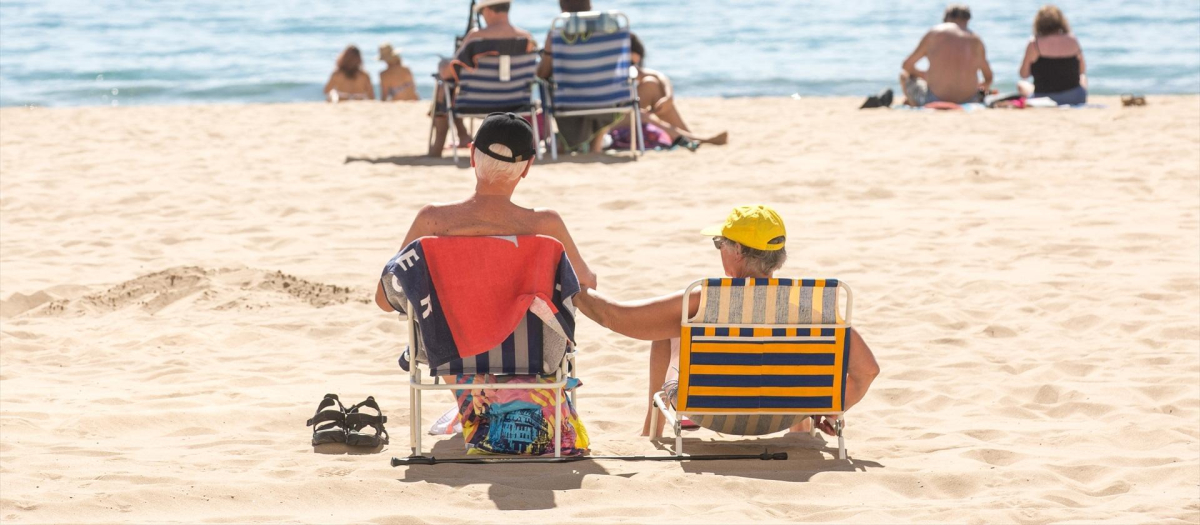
(61, 53)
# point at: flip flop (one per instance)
(329, 422)
(363, 415)
(1129, 99)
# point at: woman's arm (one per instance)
(648, 319)
(1082, 66)
(1030, 56)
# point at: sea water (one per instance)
(113, 52)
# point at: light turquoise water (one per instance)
(59, 53)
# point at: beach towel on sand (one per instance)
(470, 293)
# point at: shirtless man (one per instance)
(751, 244)
(501, 154)
(496, 26)
(956, 56)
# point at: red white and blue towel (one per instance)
(470, 293)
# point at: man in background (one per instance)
(956, 57)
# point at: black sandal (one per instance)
(357, 420)
(329, 423)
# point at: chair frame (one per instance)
(637, 145)
(416, 386)
(674, 417)
(447, 86)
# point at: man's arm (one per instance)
(648, 319)
(983, 66)
(418, 229)
(862, 370)
(553, 226)
(910, 63)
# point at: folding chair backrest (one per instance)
(767, 347)
(480, 84)
(591, 60)
(533, 348)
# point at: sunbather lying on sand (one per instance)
(502, 154)
(751, 243)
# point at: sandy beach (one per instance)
(182, 284)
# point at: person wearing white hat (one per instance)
(496, 27)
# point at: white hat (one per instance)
(480, 4)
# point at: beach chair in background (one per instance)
(759, 356)
(592, 73)
(494, 75)
(542, 344)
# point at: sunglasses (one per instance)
(718, 242)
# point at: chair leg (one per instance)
(558, 422)
(416, 425)
(654, 433)
(412, 415)
(533, 117)
(634, 126)
(841, 440)
(678, 436)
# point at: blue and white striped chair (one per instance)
(592, 73)
(760, 355)
(495, 75)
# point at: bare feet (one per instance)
(718, 140)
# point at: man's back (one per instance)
(955, 58)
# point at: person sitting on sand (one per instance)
(1055, 60)
(496, 27)
(395, 82)
(956, 56)
(490, 210)
(349, 81)
(657, 101)
(751, 244)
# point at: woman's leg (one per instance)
(1025, 88)
(660, 362)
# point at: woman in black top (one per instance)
(1055, 61)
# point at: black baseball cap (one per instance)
(506, 129)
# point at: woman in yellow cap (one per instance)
(751, 242)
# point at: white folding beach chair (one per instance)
(759, 356)
(592, 73)
(533, 349)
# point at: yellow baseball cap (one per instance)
(756, 226)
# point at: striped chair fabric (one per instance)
(532, 349)
(759, 375)
(480, 89)
(591, 70)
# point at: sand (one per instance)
(181, 285)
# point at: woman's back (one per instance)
(396, 83)
(1057, 66)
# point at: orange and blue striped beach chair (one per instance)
(759, 356)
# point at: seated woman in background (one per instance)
(349, 81)
(658, 105)
(395, 82)
(1055, 60)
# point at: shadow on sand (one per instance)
(528, 486)
(531, 486)
(465, 162)
(807, 456)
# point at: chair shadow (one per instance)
(524, 486)
(338, 449)
(465, 162)
(412, 160)
(807, 456)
